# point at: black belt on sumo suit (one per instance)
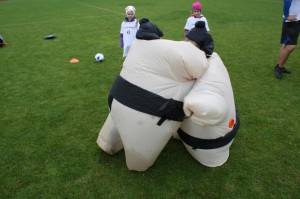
(198, 143)
(145, 101)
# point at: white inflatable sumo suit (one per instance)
(208, 133)
(168, 70)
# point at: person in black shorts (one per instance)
(289, 36)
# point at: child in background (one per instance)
(195, 16)
(129, 27)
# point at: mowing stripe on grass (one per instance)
(108, 10)
(57, 20)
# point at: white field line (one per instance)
(108, 10)
(66, 19)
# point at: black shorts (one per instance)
(290, 33)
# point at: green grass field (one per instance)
(52, 110)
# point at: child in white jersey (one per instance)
(129, 27)
(195, 16)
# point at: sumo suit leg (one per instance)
(208, 157)
(143, 139)
(109, 139)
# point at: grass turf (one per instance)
(52, 111)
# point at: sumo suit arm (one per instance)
(205, 108)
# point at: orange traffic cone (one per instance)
(74, 60)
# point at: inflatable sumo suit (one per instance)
(146, 98)
(209, 131)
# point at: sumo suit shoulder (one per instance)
(166, 68)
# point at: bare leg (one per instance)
(284, 54)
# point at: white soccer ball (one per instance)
(99, 57)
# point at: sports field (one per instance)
(51, 110)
